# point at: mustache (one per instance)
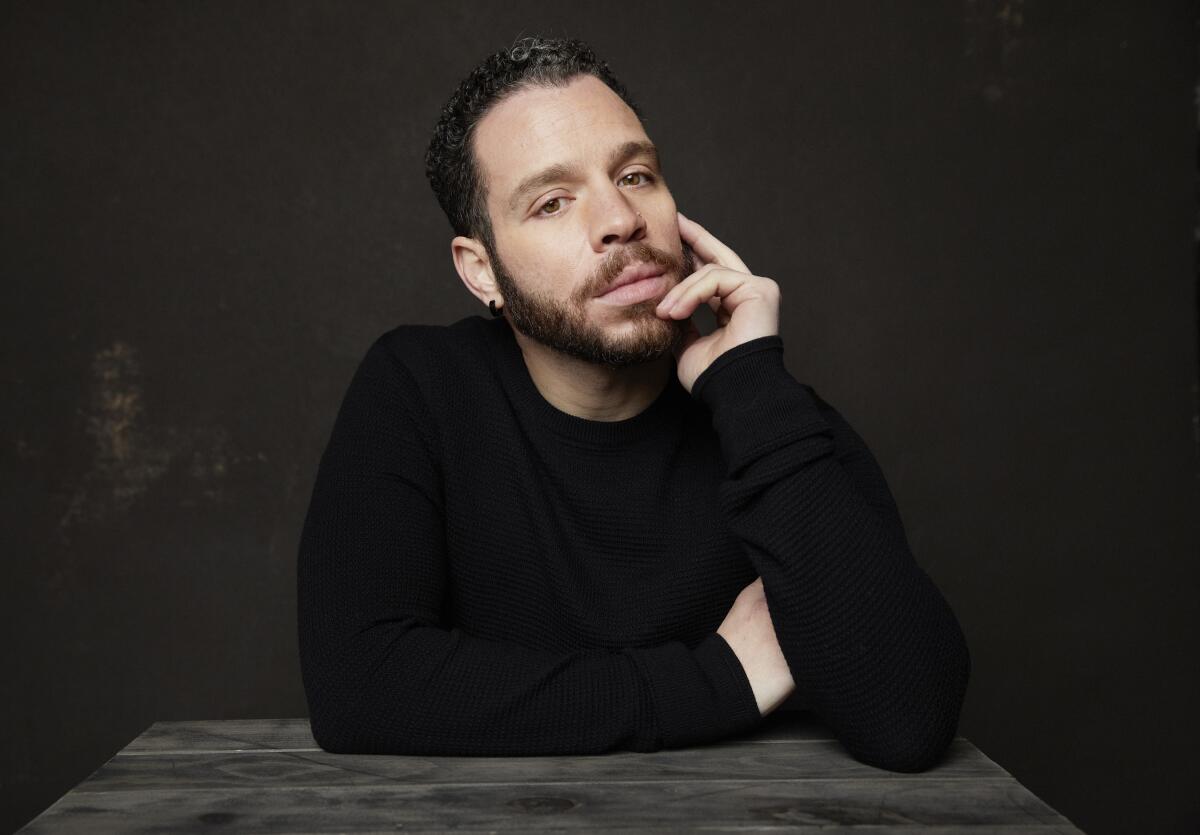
(634, 253)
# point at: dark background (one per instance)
(981, 215)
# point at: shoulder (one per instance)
(428, 352)
(439, 370)
(430, 344)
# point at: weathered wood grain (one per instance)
(819, 759)
(205, 735)
(269, 776)
(511, 807)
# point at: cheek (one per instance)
(668, 211)
(554, 273)
(577, 268)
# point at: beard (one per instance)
(564, 326)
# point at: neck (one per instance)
(594, 392)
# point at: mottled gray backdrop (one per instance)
(980, 213)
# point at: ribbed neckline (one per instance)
(515, 377)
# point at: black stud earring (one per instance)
(492, 305)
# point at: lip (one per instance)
(632, 292)
(632, 274)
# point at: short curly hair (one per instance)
(450, 162)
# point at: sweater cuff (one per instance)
(756, 404)
(701, 694)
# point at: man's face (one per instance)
(564, 237)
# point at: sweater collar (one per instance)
(514, 376)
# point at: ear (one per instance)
(475, 269)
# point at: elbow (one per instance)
(329, 720)
(353, 712)
(921, 735)
(909, 754)
(348, 723)
(344, 734)
(332, 710)
(914, 742)
(333, 731)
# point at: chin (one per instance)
(655, 337)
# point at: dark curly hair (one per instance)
(450, 162)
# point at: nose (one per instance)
(614, 219)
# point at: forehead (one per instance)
(541, 126)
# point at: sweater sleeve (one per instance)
(384, 674)
(874, 648)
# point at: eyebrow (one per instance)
(562, 171)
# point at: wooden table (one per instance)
(268, 775)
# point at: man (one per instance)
(580, 525)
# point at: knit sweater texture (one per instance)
(481, 573)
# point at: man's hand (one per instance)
(746, 306)
(751, 635)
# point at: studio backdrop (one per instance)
(980, 214)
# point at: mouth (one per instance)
(643, 286)
(633, 274)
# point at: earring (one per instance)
(492, 305)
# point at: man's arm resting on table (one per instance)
(871, 643)
(383, 674)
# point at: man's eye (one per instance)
(551, 207)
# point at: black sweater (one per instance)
(481, 573)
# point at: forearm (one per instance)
(403, 685)
(871, 643)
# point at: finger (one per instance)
(706, 245)
(679, 289)
(731, 288)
